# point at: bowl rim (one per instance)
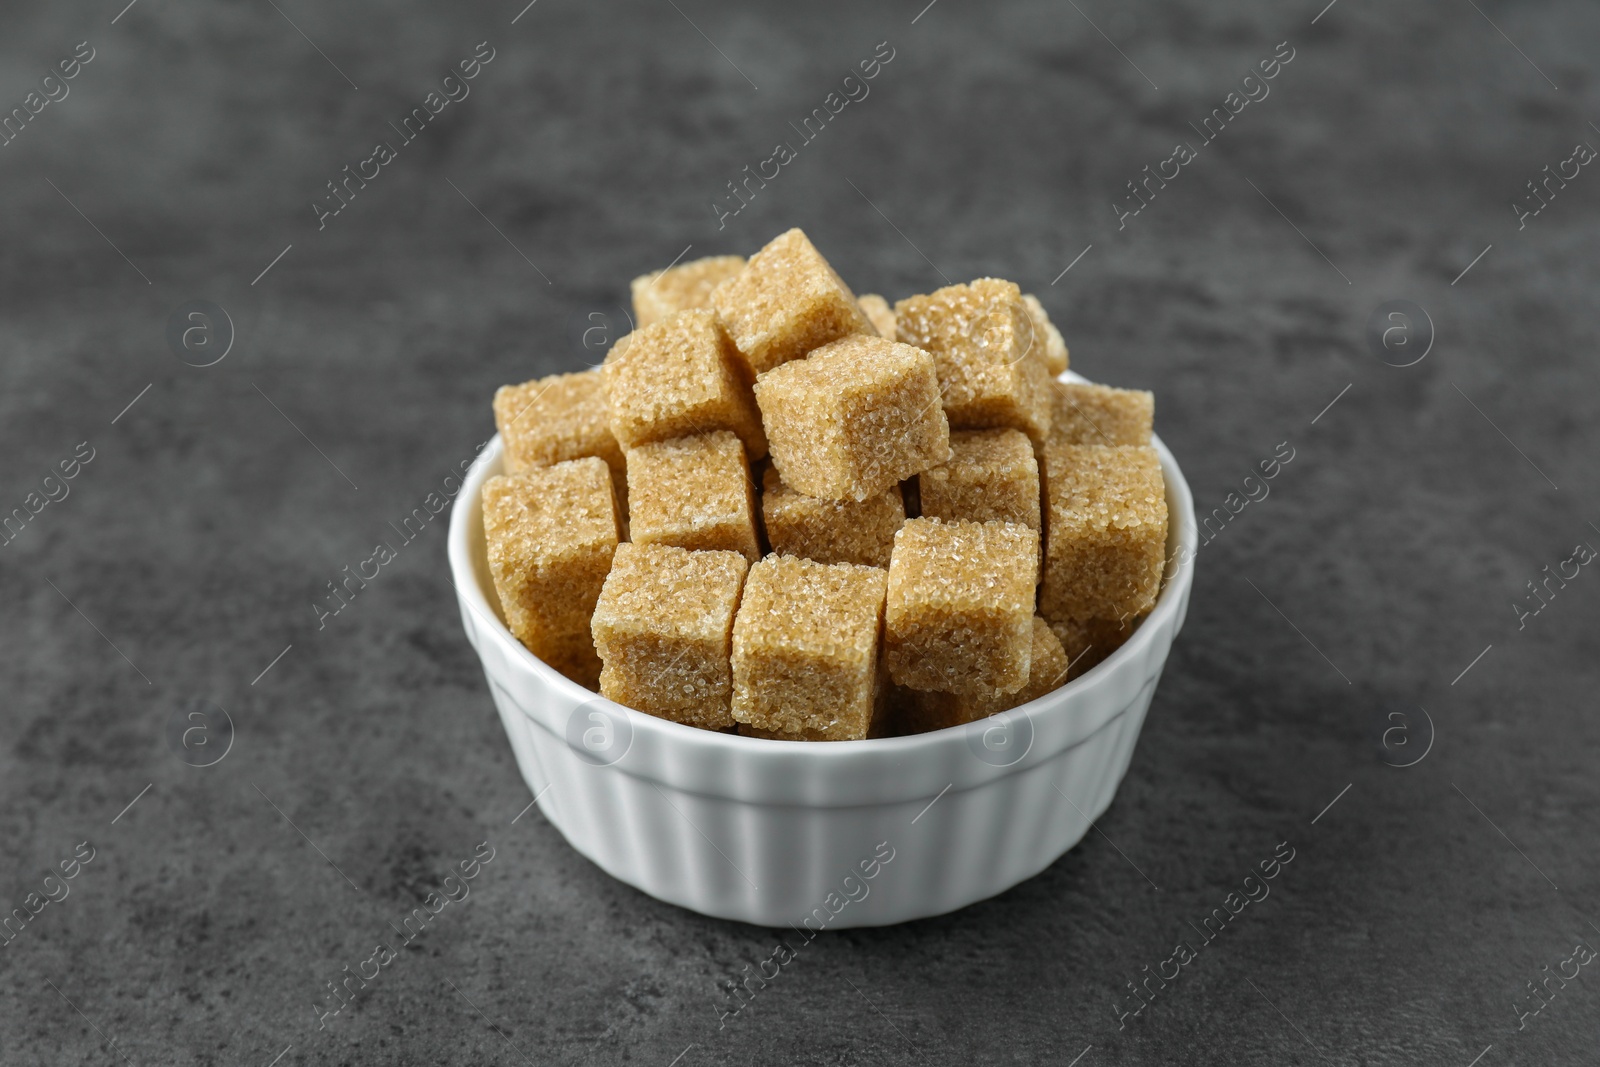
(1177, 580)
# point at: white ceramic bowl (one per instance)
(828, 834)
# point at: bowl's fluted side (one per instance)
(775, 864)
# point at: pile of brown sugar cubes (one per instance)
(781, 510)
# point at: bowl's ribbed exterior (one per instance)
(773, 863)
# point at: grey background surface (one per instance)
(368, 759)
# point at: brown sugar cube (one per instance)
(805, 647)
(686, 287)
(1087, 642)
(786, 302)
(677, 377)
(991, 476)
(1047, 670)
(853, 418)
(693, 492)
(1084, 414)
(1107, 531)
(662, 625)
(982, 339)
(619, 346)
(830, 531)
(960, 606)
(550, 534)
(879, 313)
(1047, 340)
(778, 735)
(551, 420)
(880, 726)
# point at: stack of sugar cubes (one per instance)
(781, 510)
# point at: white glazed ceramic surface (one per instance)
(776, 832)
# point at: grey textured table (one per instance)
(1379, 578)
